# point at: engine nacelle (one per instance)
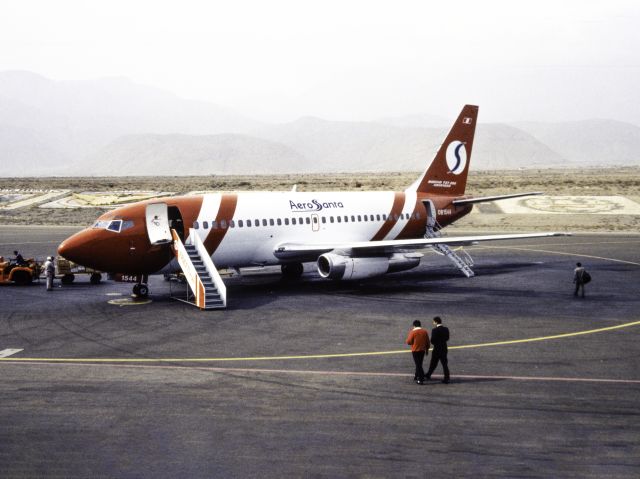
(337, 266)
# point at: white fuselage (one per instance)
(263, 220)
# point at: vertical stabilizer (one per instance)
(447, 173)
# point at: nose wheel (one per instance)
(140, 290)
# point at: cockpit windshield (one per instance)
(115, 226)
(101, 224)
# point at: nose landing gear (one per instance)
(141, 289)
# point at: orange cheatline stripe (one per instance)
(227, 209)
(414, 228)
(396, 208)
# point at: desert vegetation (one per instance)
(596, 182)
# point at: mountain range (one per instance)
(114, 126)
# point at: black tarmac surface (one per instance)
(98, 402)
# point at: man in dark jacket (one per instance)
(439, 338)
(579, 278)
(19, 259)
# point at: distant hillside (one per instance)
(361, 146)
(590, 142)
(314, 145)
(194, 155)
(95, 127)
(72, 120)
(497, 146)
(353, 146)
(25, 152)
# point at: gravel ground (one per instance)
(596, 182)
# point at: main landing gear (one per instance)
(141, 289)
(292, 270)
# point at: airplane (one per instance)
(349, 235)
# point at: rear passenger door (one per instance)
(315, 222)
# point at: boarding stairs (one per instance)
(206, 288)
(433, 230)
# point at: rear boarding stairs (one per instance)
(433, 230)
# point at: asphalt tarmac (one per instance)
(312, 378)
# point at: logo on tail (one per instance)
(447, 172)
(456, 157)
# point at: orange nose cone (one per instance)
(77, 248)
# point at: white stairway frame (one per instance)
(209, 266)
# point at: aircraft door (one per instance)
(315, 223)
(157, 218)
(175, 221)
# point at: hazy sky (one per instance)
(352, 60)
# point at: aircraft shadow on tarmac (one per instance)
(266, 287)
(261, 288)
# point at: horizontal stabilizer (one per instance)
(485, 199)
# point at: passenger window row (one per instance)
(224, 224)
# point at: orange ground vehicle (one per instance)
(11, 273)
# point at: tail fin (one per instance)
(447, 173)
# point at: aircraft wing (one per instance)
(364, 248)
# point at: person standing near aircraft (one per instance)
(580, 276)
(50, 271)
(439, 338)
(418, 339)
(19, 259)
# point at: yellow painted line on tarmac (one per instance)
(559, 253)
(547, 338)
(313, 356)
(128, 302)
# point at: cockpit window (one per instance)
(115, 226)
(102, 224)
(126, 224)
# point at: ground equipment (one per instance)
(68, 271)
(12, 273)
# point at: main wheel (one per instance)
(95, 278)
(292, 270)
(21, 278)
(68, 278)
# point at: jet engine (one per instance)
(337, 266)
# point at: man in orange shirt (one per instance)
(418, 339)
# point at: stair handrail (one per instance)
(209, 266)
(188, 269)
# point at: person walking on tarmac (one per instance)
(418, 339)
(439, 338)
(50, 271)
(580, 278)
